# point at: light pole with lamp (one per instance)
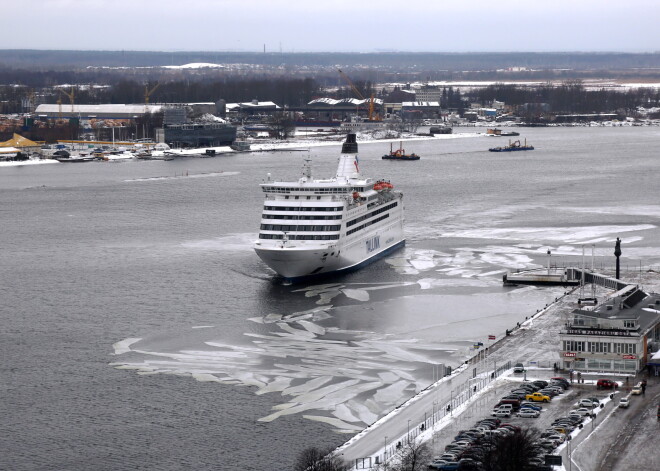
(385, 453)
(408, 431)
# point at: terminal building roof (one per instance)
(88, 111)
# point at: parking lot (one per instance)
(559, 406)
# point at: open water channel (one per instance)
(138, 329)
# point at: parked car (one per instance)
(502, 413)
(563, 427)
(571, 419)
(528, 413)
(529, 405)
(537, 397)
(519, 368)
(451, 466)
(558, 438)
(540, 383)
(549, 392)
(562, 380)
(586, 403)
(514, 402)
(583, 411)
(437, 464)
(606, 384)
(624, 402)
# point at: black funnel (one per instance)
(350, 146)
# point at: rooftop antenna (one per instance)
(549, 253)
(307, 168)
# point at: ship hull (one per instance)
(299, 263)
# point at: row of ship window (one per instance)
(304, 208)
(296, 228)
(312, 190)
(300, 237)
(372, 213)
(301, 218)
(367, 224)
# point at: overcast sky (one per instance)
(340, 25)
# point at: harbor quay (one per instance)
(470, 392)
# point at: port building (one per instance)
(614, 337)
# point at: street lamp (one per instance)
(385, 454)
(408, 430)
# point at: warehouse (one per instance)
(120, 111)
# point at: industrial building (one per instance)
(199, 134)
(342, 110)
(421, 109)
(84, 112)
(251, 108)
(616, 336)
(428, 93)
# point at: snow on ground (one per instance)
(534, 343)
(21, 163)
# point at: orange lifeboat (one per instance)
(378, 186)
(356, 195)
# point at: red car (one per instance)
(606, 384)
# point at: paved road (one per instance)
(623, 441)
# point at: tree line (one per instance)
(570, 96)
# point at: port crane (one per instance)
(71, 97)
(148, 92)
(372, 116)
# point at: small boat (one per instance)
(400, 154)
(496, 132)
(65, 156)
(512, 147)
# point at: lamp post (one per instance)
(408, 430)
(385, 453)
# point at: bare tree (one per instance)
(314, 459)
(281, 125)
(513, 453)
(413, 456)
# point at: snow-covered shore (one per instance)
(21, 163)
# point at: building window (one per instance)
(625, 348)
(599, 347)
(629, 324)
(599, 365)
(573, 346)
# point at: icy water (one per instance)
(139, 329)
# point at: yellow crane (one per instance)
(71, 97)
(148, 92)
(372, 116)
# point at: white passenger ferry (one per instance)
(315, 227)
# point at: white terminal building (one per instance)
(615, 337)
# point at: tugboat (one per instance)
(512, 147)
(400, 154)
